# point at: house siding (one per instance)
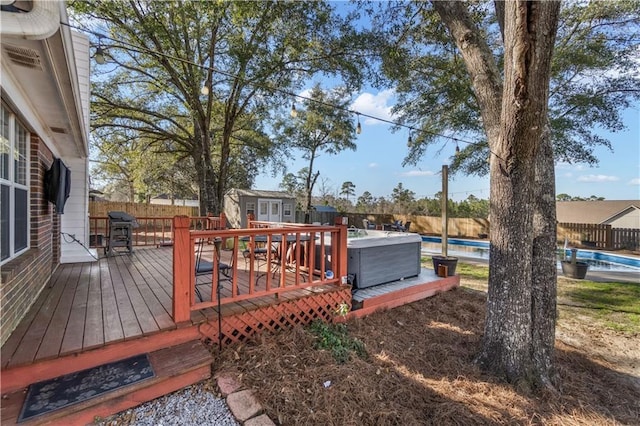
(24, 277)
(629, 219)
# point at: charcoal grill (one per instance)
(120, 233)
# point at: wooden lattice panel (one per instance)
(284, 314)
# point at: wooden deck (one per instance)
(119, 298)
(95, 313)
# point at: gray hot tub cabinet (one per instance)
(395, 259)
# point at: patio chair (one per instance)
(249, 251)
(291, 262)
(205, 267)
(397, 226)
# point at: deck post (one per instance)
(182, 269)
(340, 266)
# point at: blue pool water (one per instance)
(597, 260)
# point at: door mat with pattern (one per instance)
(50, 395)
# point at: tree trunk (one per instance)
(507, 333)
(518, 297)
(311, 181)
(209, 202)
(519, 328)
(132, 192)
(544, 270)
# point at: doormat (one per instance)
(50, 395)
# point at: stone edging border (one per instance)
(242, 402)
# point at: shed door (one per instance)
(270, 210)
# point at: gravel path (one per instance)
(192, 406)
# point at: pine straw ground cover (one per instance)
(418, 370)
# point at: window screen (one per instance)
(21, 219)
(4, 221)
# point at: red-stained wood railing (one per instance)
(150, 231)
(324, 243)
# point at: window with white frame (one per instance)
(251, 209)
(286, 209)
(14, 186)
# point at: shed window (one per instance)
(286, 209)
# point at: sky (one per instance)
(376, 164)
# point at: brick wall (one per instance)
(24, 277)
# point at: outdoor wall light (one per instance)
(99, 55)
(100, 59)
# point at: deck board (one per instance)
(52, 341)
(111, 317)
(11, 345)
(157, 278)
(158, 311)
(93, 335)
(130, 325)
(74, 332)
(30, 343)
(144, 317)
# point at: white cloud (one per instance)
(569, 166)
(598, 178)
(378, 105)
(373, 165)
(635, 181)
(414, 173)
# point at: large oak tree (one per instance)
(519, 331)
(483, 72)
(248, 55)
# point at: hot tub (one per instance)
(378, 257)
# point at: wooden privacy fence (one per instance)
(598, 236)
(627, 239)
(156, 230)
(458, 226)
(586, 234)
(102, 209)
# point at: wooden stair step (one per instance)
(175, 367)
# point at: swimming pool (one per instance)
(597, 260)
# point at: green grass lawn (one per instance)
(614, 305)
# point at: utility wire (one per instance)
(129, 46)
(73, 238)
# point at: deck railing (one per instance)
(297, 257)
(150, 231)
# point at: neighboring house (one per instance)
(96, 195)
(165, 200)
(44, 149)
(617, 213)
(269, 206)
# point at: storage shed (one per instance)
(269, 206)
